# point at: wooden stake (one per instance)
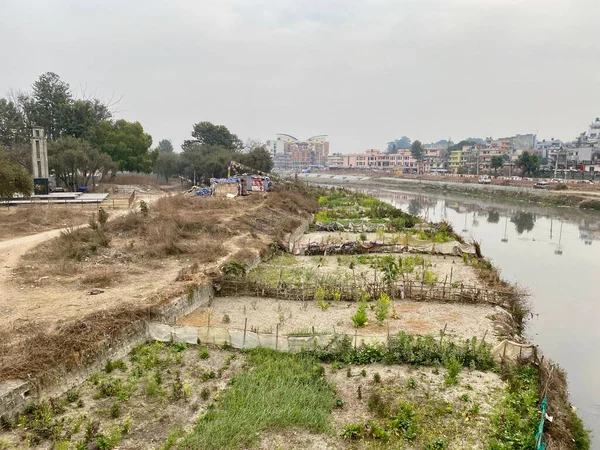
(245, 325)
(276, 336)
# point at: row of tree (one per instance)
(209, 153)
(83, 138)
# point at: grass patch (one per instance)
(275, 391)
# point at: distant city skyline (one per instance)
(363, 71)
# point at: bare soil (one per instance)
(461, 321)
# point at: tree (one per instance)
(496, 163)
(529, 162)
(75, 162)
(206, 133)
(167, 164)
(203, 162)
(12, 124)
(83, 116)
(165, 146)
(416, 149)
(402, 143)
(48, 104)
(127, 145)
(463, 143)
(259, 158)
(13, 177)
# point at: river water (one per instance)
(554, 253)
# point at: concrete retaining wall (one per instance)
(15, 394)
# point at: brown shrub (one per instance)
(134, 179)
(100, 277)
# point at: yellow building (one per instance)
(455, 160)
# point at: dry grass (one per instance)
(135, 179)
(101, 277)
(29, 219)
(67, 345)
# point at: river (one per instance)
(554, 253)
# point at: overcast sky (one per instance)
(362, 71)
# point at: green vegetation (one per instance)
(453, 367)
(404, 348)
(382, 307)
(515, 423)
(359, 319)
(266, 396)
(13, 177)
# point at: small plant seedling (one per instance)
(204, 353)
(377, 377)
(412, 383)
(363, 372)
(349, 372)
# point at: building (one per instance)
(594, 132)
(39, 153)
(291, 153)
(375, 159)
(335, 160)
(455, 160)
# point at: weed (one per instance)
(359, 393)
(226, 319)
(153, 385)
(359, 319)
(266, 395)
(453, 369)
(378, 405)
(436, 444)
(173, 435)
(404, 422)
(204, 353)
(115, 409)
(112, 365)
(465, 397)
(110, 440)
(91, 430)
(349, 373)
(204, 394)
(177, 391)
(320, 296)
(144, 208)
(382, 307)
(363, 237)
(339, 403)
(412, 383)
(429, 277)
(377, 378)
(353, 431)
(363, 373)
(72, 396)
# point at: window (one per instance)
(39, 164)
(37, 148)
(37, 133)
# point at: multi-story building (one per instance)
(455, 160)
(375, 159)
(335, 160)
(291, 153)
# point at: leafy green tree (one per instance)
(83, 116)
(48, 105)
(528, 162)
(12, 124)
(259, 158)
(402, 143)
(13, 177)
(416, 149)
(203, 162)
(496, 163)
(76, 162)
(127, 145)
(206, 133)
(167, 164)
(463, 143)
(165, 146)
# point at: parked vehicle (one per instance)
(557, 180)
(484, 180)
(541, 185)
(585, 182)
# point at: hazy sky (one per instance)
(363, 71)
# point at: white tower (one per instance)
(39, 153)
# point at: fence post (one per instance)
(276, 336)
(245, 325)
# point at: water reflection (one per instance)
(550, 252)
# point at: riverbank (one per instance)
(347, 307)
(571, 197)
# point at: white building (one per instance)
(39, 153)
